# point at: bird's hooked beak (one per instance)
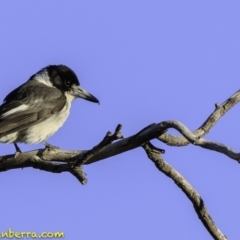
(82, 93)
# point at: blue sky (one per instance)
(146, 61)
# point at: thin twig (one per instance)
(220, 110)
(108, 139)
(201, 142)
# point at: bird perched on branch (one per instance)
(38, 108)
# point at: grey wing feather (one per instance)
(35, 113)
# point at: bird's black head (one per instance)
(62, 77)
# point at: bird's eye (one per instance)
(67, 83)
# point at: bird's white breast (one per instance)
(41, 131)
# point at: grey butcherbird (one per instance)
(38, 108)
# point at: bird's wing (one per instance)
(18, 114)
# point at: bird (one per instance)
(35, 110)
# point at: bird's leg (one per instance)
(18, 150)
(49, 146)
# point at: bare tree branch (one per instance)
(220, 110)
(57, 160)
(204, 143)
(198, 204)
(28, 159)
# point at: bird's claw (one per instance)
(18, 150)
